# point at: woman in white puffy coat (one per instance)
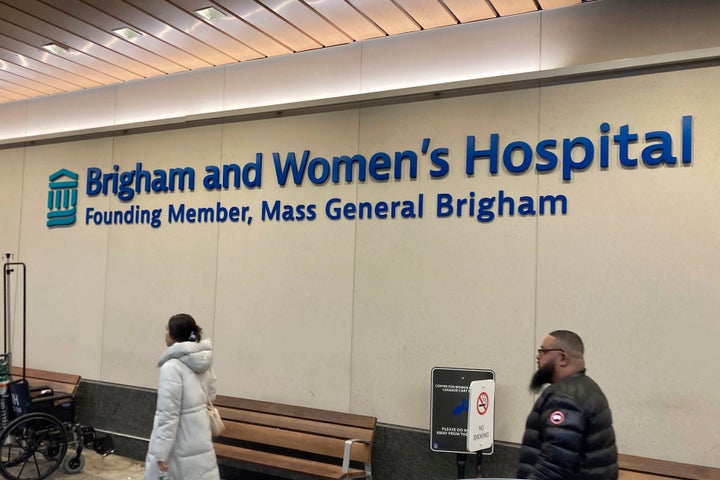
(181, 443)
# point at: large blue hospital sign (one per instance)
(449, 406)
(484, 154)
(62, 198)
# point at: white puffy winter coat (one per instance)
(181, 428)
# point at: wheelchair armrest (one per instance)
(50, 399)
(39, 387)
(41, 391)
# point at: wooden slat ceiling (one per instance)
(174, 38)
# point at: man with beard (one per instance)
(569, 433)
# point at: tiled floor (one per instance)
(111, 467)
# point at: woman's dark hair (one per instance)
(182, 328)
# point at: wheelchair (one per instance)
(37, 424)
(42, 425)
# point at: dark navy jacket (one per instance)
(569, 434)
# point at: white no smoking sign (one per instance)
(481, 418)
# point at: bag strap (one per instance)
(207, 398)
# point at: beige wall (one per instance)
(352, 315)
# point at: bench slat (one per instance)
(666, 469)
(45, 375)
(628, 475)
(292, 464)
(297, 424)
(328, 416)
(59, 382)
(303, 442)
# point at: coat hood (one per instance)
(196, 355)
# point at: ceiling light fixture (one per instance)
(210, 13)
(57, 48)
(127, 33)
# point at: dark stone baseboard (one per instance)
(401, 452)
(126, 413)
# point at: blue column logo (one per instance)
(62, 198)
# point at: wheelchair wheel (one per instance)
(32, 447)
(73, 464)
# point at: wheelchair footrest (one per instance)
(103, 445)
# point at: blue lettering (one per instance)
(348, 163)
(569, 164)
(687, 139)
(270, 213)
(411, 157)
(379, 164)
(550, 158)
(623, 140)
(443, 167)
(321, 164)
(444, 205)
(491, 153)
(331, 211)
(552, 200)
(176, 215)
(290, 166)
(604, 145)
(527, 157)
(94, 184)
(658, 153)
(128, 183)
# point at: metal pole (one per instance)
(461, 463)
(6, 289)
(6, 301)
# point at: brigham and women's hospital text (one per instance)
(622, 148)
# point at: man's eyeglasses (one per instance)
(543, 351)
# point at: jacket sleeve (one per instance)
(562, 428)
(169, 404)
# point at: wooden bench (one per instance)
(60, 383)
(641, 468)
(290, 439)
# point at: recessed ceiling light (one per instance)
(127, 33)
(210, 13)
(57, 48)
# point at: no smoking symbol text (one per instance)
(482, 403)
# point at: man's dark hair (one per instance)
(570, 342)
